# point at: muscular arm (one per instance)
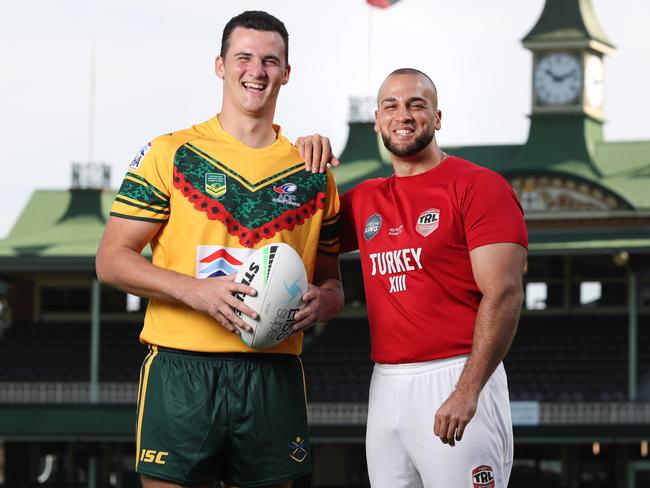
(497, 270)
(120, 264)
(324, 299)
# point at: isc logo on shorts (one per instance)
(483, 476)
(151, 456)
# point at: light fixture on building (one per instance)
(644, 448)
(595, 448)
(621, 258)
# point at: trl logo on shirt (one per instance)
(428, 221)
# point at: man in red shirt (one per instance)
(443, 245)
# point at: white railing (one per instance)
(524, 413)
(68, 392)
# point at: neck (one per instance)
(430, 157)
(254, 131)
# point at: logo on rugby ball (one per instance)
(268, 255)
(428, 221)
(373, 224)
(483, 476)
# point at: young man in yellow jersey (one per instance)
(209, 407)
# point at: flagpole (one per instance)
(368, 50)
(91, 102)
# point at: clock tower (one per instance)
(568, 47)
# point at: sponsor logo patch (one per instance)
(428, 221)
(395, 231)
(215, 184)
(151, 456)
(286, 198)
(483, 476)
(373, 224)
(138, 157)
(298, 449)
(215, 261)
(285, 188)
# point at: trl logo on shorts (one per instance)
(428, 221)
(483, 476)
(298, 449)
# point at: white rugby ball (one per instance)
(278, 274)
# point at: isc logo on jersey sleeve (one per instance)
(215, 261)
(428, 221)
(373, 224)
(138, 157)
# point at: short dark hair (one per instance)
(411, 71)
(257, 20)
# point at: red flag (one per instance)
(382, 3)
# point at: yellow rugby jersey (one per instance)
(219, 200)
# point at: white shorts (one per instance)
(402, 450)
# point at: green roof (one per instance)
(59, 222)
(603, 240)
(57, 226)
(567, 21)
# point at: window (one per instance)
(590, 292)
(536, 296)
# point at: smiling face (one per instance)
(253, 70)
(407, 114)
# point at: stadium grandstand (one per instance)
(579, 368)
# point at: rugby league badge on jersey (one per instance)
(428, 221)
(215, 261)
(373, 224)
(215, 184)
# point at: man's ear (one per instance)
(377, 128)
(287, 72)
(218, 67)
(437, 120)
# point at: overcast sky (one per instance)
(154, 73)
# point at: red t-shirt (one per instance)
(414, 234)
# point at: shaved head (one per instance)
(410, 72)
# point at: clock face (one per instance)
(557, 79)
(594, 79)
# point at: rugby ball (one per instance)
(278, 274)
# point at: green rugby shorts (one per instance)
(240, 418)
